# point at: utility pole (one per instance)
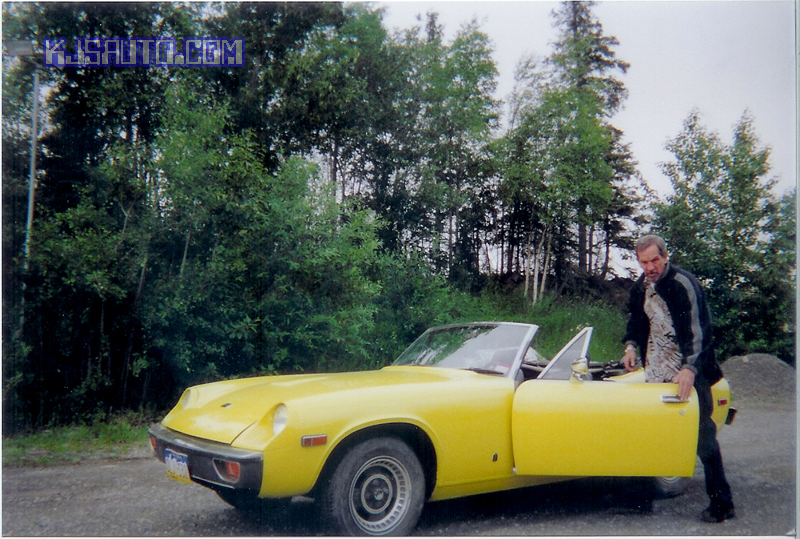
(32, 176)
(24, 49)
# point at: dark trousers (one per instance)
(708, 449)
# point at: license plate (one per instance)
(177, 466)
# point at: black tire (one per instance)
(378, 488)
(669, 487)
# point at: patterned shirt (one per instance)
(664, 358)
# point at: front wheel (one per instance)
(249, 502)
(377, 489)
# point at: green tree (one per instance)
(585, 61)
(69, 353)
(584, 57)
(569, 186)
(254, 271)
(341, 89)
(275, 34)
(724, 224)
(92, 109)
(454, 84)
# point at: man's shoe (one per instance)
(717, 514)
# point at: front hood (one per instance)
(222, 410)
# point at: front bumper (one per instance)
(206, 460)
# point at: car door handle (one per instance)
(672, 399)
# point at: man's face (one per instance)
(652, 262)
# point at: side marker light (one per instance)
(313, 441)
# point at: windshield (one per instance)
(491, 348)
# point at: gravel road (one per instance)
(134, 497)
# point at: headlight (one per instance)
(188, 398)
(279, 419)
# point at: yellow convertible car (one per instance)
(466, 409)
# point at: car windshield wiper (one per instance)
(484, 371)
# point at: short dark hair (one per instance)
(651, 239)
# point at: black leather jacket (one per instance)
(687, 306)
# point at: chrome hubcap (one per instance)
(379, 495)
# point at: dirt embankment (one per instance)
(760, 377)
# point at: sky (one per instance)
(722, 58)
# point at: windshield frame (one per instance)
(522, 345)
(560, 367)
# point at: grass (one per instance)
(560, 321)
(119, 437)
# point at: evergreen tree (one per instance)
(569, 176)
(585, 61)
(585, 58)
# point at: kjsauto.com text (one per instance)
(145, 51)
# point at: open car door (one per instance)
(566, 425)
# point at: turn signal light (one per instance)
(228, 470)
(233, 469)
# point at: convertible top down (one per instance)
(466, 409)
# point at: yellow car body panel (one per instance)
(576, 427)
(219, 411)
(721, 393)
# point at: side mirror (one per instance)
(580, 370)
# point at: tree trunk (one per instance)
(131, 332)
(185, 254)
(546, 267)
(528, 255)
(335, 168)
(538, 267)
(607, 261)
(582, 247)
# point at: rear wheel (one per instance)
(377, 489)
(669, 487)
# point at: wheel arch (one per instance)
(415, 437)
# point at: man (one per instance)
(670, 323)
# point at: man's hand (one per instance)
(685, 381)
(629, 360)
